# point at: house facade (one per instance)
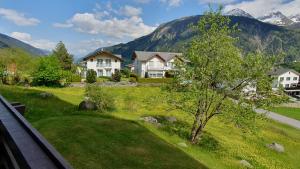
(154, 64)
(103, 62)
(287, 78)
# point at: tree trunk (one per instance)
(196, 133)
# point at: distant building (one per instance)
(287, 78)
(154, 64)
(103, 62)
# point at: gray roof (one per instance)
(100, 51)
(144, 56)
(279, 71)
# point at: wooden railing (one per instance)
(22, 146)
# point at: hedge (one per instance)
(155, 80)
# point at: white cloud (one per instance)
(38, 43)
(18, 18)
(172, 3)
(261, 7)
(122, 23)
(130, 11)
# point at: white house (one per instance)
(103, 62)
(288, 78)
(155, 64)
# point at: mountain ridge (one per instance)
(10, 42)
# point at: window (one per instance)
(295, 78)
(91, 60)
(108, 62)
(287, 85)
(108, 72)
(281, 79)
(155, 74)
(116, 60)
(99, 62)
(100, 72)
(288, 78)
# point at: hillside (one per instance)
(254, 35)
(9, 42)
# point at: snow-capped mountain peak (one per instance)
(238, 12)
(295, 18)
(276, 18)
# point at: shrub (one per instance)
(71, 77)
(132, 75)
(103, 100)
(91, 76)
(48, 72)
(116, 77)
(126, 72)
(169, 74)
(132, 80)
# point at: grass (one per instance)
(288, 111)
(119, 140)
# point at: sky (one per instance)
(86, 25)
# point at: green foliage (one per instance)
(71, 77)
(126, 72)
(104, 100)
(155, 80)
(217, 72)
(116, 77)
(48, 72)
(91, 76)
(65, 59)
(132, 80)
(133, 75)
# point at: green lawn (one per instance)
(288, 111)
(119, 139)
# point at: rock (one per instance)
(277, 147)
(150, 119)
(182, 144)
(246, 164)
(171, 119)
(87, 105)
(45, 95)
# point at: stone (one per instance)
(171, 119)
(182, 144)
(246, 164)
(45, 95)
(150, 119)
(276, 147)
(87, 105)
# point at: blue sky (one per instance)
(85, 25)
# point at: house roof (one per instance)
(99, 52)
(281, 70)
(145, 56)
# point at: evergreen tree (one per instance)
(65, 59)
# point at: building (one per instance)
(154, 64)
(287, 78)
(103, 62)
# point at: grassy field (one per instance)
(119, 139)
(288, 111)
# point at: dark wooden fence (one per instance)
(22, 146)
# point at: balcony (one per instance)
(104, 65)
(155, 68)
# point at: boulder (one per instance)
(45, 95)
(276, 147)
(246, 164)
(150, 119)
(171, 119)
(87, 105)
(182, 144)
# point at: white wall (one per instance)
(115, 64)
(283, 79)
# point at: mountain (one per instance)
(295, 18)
(238, 12)
(254, 35)
(9, 42)
(276, 18)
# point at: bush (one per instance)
(91, 76)
(103, 100)
(126, 72)
(132, 75)
(71, 77)
(155, 80)
(132, 80)
(116, 77)
(169, 74)
(48, 72)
